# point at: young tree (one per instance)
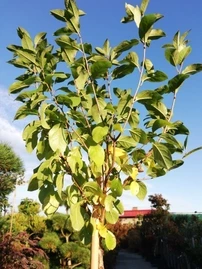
(11, 173)
(86, 128)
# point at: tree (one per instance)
(158, 202)
(20, 251)
(29, 207)
(63, 244)
(11, 173)
(90, 130)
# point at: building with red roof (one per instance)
(132, 216)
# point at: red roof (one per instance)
(135, 213)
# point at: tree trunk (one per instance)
(96, 252)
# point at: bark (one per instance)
(96, 252)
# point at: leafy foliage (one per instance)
(158, 202)
(29, 207)
(162, 230)
(87, 129)
(63, 245)
(11, 173)
(20, 252)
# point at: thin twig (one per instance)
(138, 86)
(82, 109)
(109, 87)
(89, 74)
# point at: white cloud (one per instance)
(11, 133)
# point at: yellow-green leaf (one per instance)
(57, 139)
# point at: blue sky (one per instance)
(182, 187)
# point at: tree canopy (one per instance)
(83, 126)
(11, 173)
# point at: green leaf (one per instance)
(134, 188)
(147, 22)
(148, 65)
(179, 128)
(100, 51)
(119, 206)
(70, 99)
(97, 155)
(142, 191)
(106, 47)
(51, 204)
(192, 151)
(134, 119)
(116, 187)
(162, 155)
(62, 31)
(169, 56)
(42, 111)
(66, 42)
(176, 82)
(43, 148)
(122, 71)
(30, 128)
(125, 45)
(112, 216)
(109, 203)
(99, 133)
(61, 76)
(143, 6)
(76, 217)
(73, 195)
(157, 109)
(156, 34)
(58, 14)
(25, 38)
(33, 184)
(81, 80)
(92, 187)
(126, 142)
(17, 86)
(192, 69)
(148, 95)
(102, 230)
(28, 55)
(139, 135)
(180, 56)
(176, 164)
(39, 37)
(57, 138)
(185, 142)
(59, 183)
(132, 58)
(99, 115)
(157, 76)
(159, 123)
(24, 111)
(135, 12)
(74, 160)
(99, 68)
(118, 127)
(110, 241)
(171, 139)
(138, 154)
(69, 55)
